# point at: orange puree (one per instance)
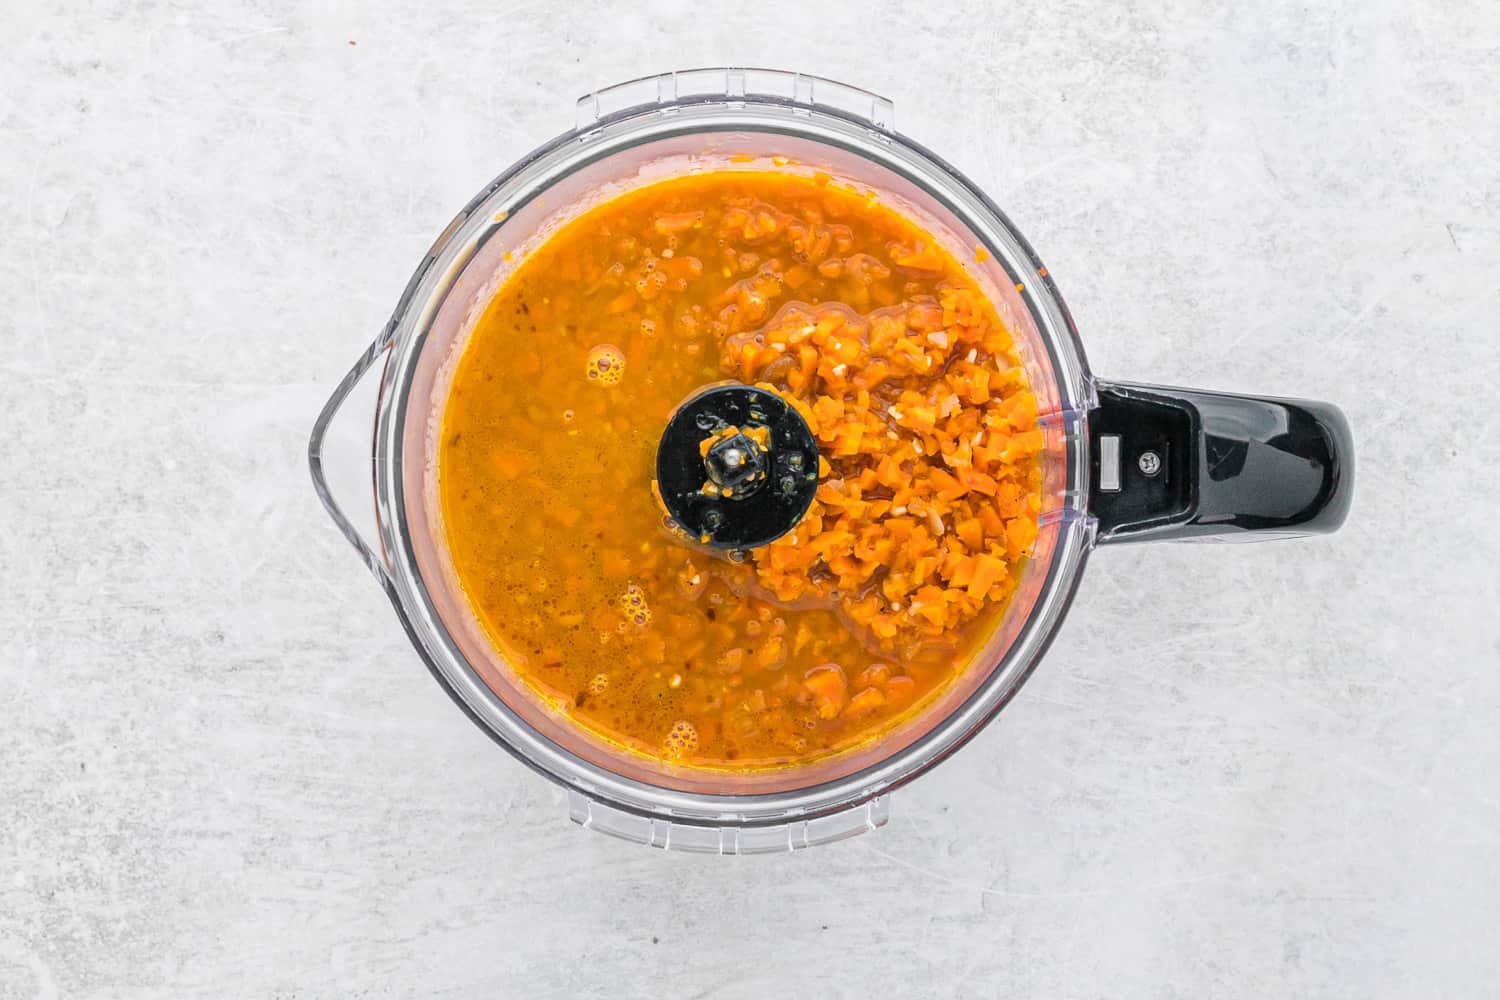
(929, 480)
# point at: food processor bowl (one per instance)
(1119, 462)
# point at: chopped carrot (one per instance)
(1020, 532)
(676, 222)
(979, 482)
(865, 700)
(979, 385)
(948, 488)
(828, 689)
(989, 519)
(899, 688)
(987, 572)
(963, 571)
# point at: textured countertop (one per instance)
(1260, 771)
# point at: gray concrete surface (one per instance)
(1246, 771)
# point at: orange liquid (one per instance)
(829, 636)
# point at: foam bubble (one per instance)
(634, 607)
(606, 365)
(683, 738)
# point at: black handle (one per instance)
(1172, 464)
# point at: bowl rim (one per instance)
(406, 331)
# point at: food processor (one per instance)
(1120, 462)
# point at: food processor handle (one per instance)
(1187, 464)
(315, 459)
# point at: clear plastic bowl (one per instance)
(723, 120)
